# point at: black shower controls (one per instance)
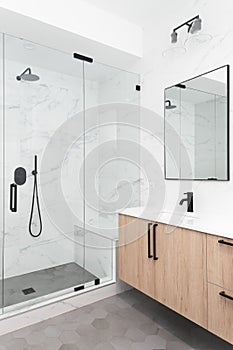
(20, 176)
(13, 198)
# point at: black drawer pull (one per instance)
(154, 241)
(221, 241)
(223, 294)
(148, 241)
(13, 198)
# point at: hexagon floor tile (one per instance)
(129, 321)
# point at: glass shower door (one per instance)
(44, 118)
(112, 164)
(2, 171)
(67, 125)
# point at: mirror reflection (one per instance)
(197, 127)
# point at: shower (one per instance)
(28, 76)
(51, 244)
(169, 105)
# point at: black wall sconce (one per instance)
(193, 24)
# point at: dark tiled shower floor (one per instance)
(44, 282)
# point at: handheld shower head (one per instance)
(28, 76)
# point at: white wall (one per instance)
(212, 200)
(73, 26)
(83, 19)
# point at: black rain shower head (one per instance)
(168, 105)
(28, 76)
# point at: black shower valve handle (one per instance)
(13, 198)
(20, 177)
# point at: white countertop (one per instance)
(185, 220)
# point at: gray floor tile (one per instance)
(104, 346)
(121, 343)
(69, 337)
(177, 345)
(100, 323)
(155, 342)
(135, 335)
(52, 344)
(69, 347)
(130, 321)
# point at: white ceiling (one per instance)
(142, 12)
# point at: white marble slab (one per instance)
(188, 220)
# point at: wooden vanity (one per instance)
(190, 272)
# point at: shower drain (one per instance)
(28, 291)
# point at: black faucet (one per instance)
(189, 201)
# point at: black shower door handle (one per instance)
(154, 241)
(148, 241)
(13, 198)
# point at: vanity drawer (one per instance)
(220, 312)
(220, 261)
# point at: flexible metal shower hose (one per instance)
(35, 197)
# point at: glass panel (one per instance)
(1, 173)
(200, 121)
(172, 132)
(221, 137)
(45, 118)
(111, 160)
(202, 126)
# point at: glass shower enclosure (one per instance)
(64, 175)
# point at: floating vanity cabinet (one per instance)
(180, 272)
(188, 271)
(128, 250)
(166, 263)
(220, 286)
(146, 257)
(135, 244)
(220, 312)
(220, 261)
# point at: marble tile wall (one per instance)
(111, 181)
(33, 113)
(1, 163)
(212, 200)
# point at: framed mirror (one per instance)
(196, 128)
